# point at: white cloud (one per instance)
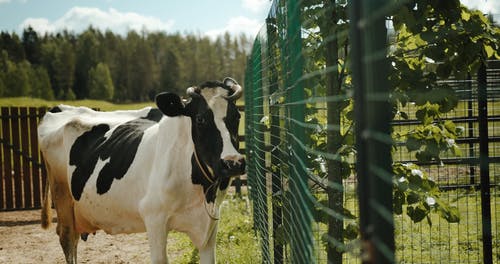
(78, 19)
(236, 26)
(256, 6)
(486, 6)
(40, 25)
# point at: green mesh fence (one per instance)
(332, 172)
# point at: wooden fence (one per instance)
(22, 174)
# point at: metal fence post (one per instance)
(301, 237)
(373, 116)
(335, 188)
(470, 131)
(484, 164)
(259, 150)
(276, 190)
(249, 135)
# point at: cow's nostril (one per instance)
(234, 165)
(227, 163)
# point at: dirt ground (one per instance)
(22, 240)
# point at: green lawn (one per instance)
(236, 241)
(102, 105)
(442, 242)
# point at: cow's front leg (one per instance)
(207, 252)
(157, 236)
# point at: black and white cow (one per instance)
(150, 170)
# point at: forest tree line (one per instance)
(108, 66)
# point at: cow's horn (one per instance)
(193, 91)
(233, 85)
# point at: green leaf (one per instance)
(351, 231)
(443, 70)
(450, 126)
(489, 51)
(413, 144)
(456, 150)
(423, 116)
(399, 198)
(454, 215)
(412, 198)
(417, 213)
(465, 15)
(423, 156)
(349, 115)
(348, 214)
(451, 214)
(345, 169)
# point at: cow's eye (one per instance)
(200, 120)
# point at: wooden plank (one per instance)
(25, 149)
(2, 185)
(7, 168)
(18, 186)
(35, 169)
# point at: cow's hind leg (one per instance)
(69, 242)
(68, 236)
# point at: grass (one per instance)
(440, 242)
(236, 241)
(102, 105)
(448, 243)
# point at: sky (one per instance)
(205, 17)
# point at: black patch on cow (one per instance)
(55, 109)
(208, 145)
(80, 156)
(120, 148)
(197, 177)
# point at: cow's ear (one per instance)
(170, 104)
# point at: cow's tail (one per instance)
(46, 206)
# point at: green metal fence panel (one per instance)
(324, 147)
(301, 240)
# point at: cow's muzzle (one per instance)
(234, 165)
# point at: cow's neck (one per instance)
(206, 171)
(213, 208)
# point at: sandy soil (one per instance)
(22, 240)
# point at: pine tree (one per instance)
(100, 85)
(32, 45)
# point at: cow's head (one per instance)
(215, 120)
